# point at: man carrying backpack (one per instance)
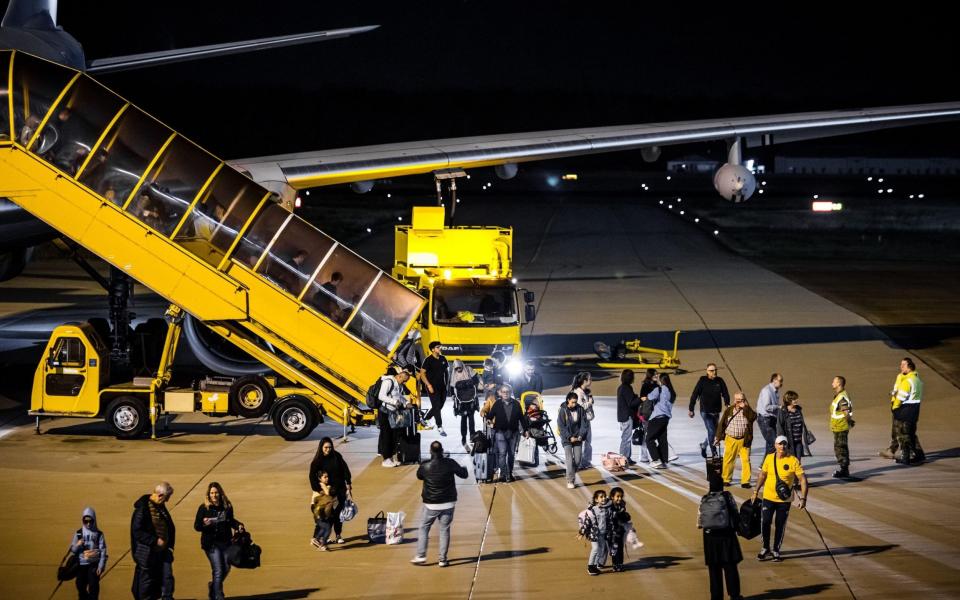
(390, 398)
(719, 518)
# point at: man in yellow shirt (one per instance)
(841, 420)
(780, 465)
(905, 401)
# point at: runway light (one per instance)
(389, 195)
(681, 212)
(889, 190)
(761, 191)
(458, 200)
(880, 191)
(826, 206)
(369, 230)
(920, 196)
(716, 232)
(400, 218)
(869, 178)
(816, 196)
(661, 202)
(679, 199)
(763, 183)
(670, 206)
(880, 180)
(911, 196)
(668, 178)
(468, 177)
(697, 220)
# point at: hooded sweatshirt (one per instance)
(92, 540)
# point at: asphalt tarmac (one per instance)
(602, 270)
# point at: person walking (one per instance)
(790, 423)
(573, 426)
(712, 393)
(392, 399)
(627, 404)
(152, 538)
(433, 375)
(841, 420)
(663, 397)
(439, 496)
(508, 424)
(581, 386)
(330, 461)
(216, 524)
(736, 433)
(721, 549)
(778, 466)
(90, 547)
(905, 401)
(464, 382)
(594, 526)
(768, 407)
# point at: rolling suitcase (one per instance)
(485, 462)
(408, 444)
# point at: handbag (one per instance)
(783, 490)
(242, 552)
(68, 566)
(614, 462)
(400, 419)
(349, 510)
(394, 528)
(526, 453)
(808, 437)
(638, 436)
(377, 529)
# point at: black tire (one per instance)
(127, 417)
(294, 418)
(251, 396)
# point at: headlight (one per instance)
(513, 366)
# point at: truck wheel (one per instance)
(294, 419)
(127, 416)
(251, 396)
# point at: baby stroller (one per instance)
(538, 422)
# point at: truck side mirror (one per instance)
(528, 297)
(530, 312)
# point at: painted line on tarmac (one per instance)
(483, 539)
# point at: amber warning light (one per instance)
(827, 206)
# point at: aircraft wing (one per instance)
(150, 59)
(327, 167)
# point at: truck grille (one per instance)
(475, 349)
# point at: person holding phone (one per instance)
(216, 525)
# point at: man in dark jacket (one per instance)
(508, 422)
(152, 537)
(439, 500)
(711, 391)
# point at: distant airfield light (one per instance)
(569, 177)
(870, 178)
(668, 178)
(681, 212)
(880, 180)
(679, 199)
(553, 180)
(763, 183)
(761, 191)
(880, 191)
(369, 230)
(468, 176)
(889, 190)
(697, 220)
(716, 232)
(400, 218)
(661, 203)
(489, 184)
(297, 202)
(826, 206)
(389, 195)
(911, 196)
(920, 196)
(458, 200)
(816, 196)
(670, 206)
(307, 192)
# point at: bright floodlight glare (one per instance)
(514, 281)
(399, 218)
(297, 203)
(514, 367)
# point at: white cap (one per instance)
(781, 438)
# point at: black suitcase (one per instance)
(408, 447)
(485, 463)
(749, 520)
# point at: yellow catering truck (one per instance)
(465, 273)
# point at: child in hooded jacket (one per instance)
(595, 526)
(90, 547)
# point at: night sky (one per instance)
(442, 69)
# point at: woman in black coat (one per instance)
(721, 548)
(329, 460)
(215, 523)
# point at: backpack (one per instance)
(714, 511)
(465, 391)
(587, 524)
(373, 394)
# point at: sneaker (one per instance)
(441, 431)
(886, 453)
(388, 462)
(418, 560)
(315, 543)
(764, 554)
(660, 465)
(323, 549)
(592, 570)
(777, 557)
(340, 540)
(443, 563)
(746, 485)
(570, 486)
(703, 449)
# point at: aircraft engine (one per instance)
(361, 187)
(734, 182)
(218, 355)
(506, 170)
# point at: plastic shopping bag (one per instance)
(395, 527)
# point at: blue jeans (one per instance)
(506, 450)
(768, 428)
(598, 552)
(626, 439)
(220, 568)
(446, 520)
(710, 421)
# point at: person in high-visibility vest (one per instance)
(905, 404)
(841, 420)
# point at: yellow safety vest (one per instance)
(838, 419)
(908, 389)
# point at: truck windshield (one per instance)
(475, 306)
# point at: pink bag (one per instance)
(614, 462)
